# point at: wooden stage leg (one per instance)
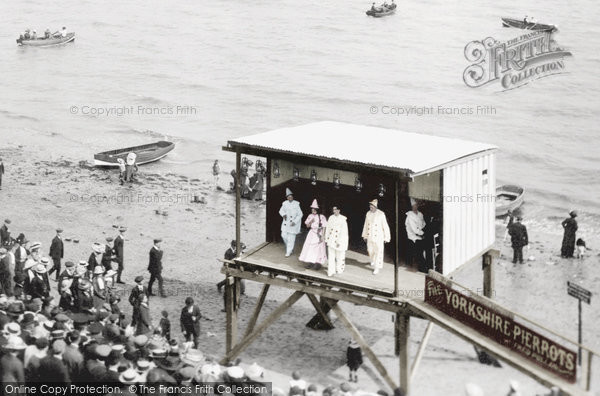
(243, 344)
(403, 331)
(488, 274)
(365, 347)
(257, 309)
(421, 350)
(231, 313)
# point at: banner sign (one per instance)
(500, 326)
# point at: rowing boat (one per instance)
(508, 197)
(521, 24)
(145, 154)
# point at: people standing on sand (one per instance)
(1, 172)
(353, 359)
(375, 233)
(5, 283)
(38, 286)
(5, 233)
(118, 247)
(99, 287)
(518, 239)
(568, 242)
(257, 181)
(67, 274)
(336, 238)
(155, 268)
(216, 170)
(415, 223)
(190, 321)
(57, 251)
(95, 258)
(122, 170)
(290, 226)
(314, 251)
(144, 323)
(136, 297)
(230, 254)
(130, 166)
(107, 256)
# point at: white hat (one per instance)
(15, 344)
(129, 377)
(35, 245)
(96, 247)
(12, 329)
(254, 372)
(40, 269)
(373, 202)
(288, 192)
(413, 201)
(473, 390)
(235, 372)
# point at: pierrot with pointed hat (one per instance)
(314, 251)
(290, 226)
(376, 232)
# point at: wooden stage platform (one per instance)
(357, 276)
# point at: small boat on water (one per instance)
(508, 197)
(381, 11)
(145, 154)
(521, 24)
(46, 42)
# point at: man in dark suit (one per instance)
(107, 257)
(5, 233)
(52, 368)
(518, 238)
(135, 298)
(57, 251)
(155, 268)
(190, 321)
(21, 253)
(118, 251)
(72, 357)
(5, 279)
(37, 285)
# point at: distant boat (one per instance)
(521, 24)
(382, 11)
(46, 42)
(145, 154)
(508, 197)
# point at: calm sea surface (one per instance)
(244, 67)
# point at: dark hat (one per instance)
(102, 314)
(28, 318)
(114, 299)
(19, 277)
(157, 240)
(15, 309)
(73, 335)
(7, 221)
(113, 317)
(109, 239)
(57, 334)
(81, 318)
(69, 264)
(59, 230)
(170, 364)
(139, 279)
(61, 317)
(96, 328)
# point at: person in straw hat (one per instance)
(375, 232)
(99, 287)
(95, 258)
(314, 251)
(11, 366)
(38, 287)
(290, 226)
(336, 237)
(66, 302)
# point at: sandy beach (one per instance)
(42, 190)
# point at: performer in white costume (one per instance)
(290, 226)
(375, 232)
(336, 237)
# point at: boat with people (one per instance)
(30, 38)
(508, 198)
(528, 24)
(144, 154)
(383, 10)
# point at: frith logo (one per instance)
(513, 63)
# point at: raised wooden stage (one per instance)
(357, 275)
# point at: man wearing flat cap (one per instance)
(118, 252)
(56, 252)
(155, 268)
(290, 226)
(375, 232)
(135, 298)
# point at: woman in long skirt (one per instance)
(568, 243)
(314, 251)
